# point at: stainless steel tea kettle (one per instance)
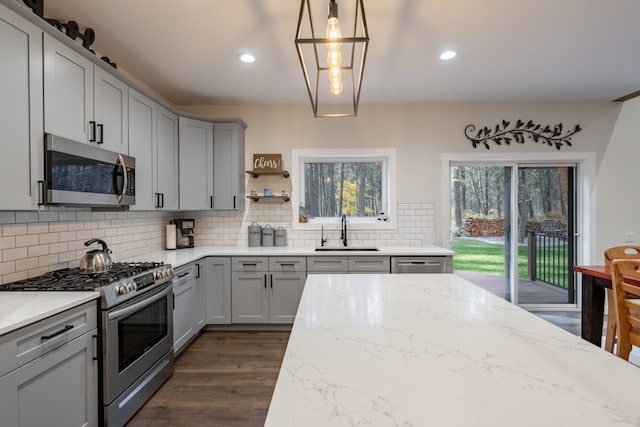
(96, 260)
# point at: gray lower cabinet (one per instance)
(347, 264)
(49, 371)
(327, 265)
(266, 289)
(218, 290)
(369, 264)
(184, 298)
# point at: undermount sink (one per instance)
(346, 248)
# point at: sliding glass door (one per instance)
(513, 228)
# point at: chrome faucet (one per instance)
(343, 233)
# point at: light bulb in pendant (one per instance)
(334, 50)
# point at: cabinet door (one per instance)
(228, 166)
(57, 389)
(196, 164)
(218, 291)
(68, 92)
(285, 290)
(21, 123)
(111, 111)
(183, 302)
(200, 297)
(166, 160)
(249, 298)
(142, 134)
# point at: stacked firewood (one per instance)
(482, 227)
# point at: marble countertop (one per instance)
(18, 309)
(436, 350)
(180, 257)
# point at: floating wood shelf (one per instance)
(255, 174)
(276, 198)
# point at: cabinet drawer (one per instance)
(28, 343)
(369, 264)
(327, 265)
(287, 264)
(184, 273)
(250, 264)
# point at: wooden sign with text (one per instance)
(267, 162)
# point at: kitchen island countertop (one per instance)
(180, 257)
(436, 350)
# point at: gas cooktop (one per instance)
(122, 282)
(73, 279)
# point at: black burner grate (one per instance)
(73, 279)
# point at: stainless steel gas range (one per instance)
(136, 326)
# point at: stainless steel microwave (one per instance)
(80, 174)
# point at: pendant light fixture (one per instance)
(333, 65)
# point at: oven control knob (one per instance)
(121, 290)
(130, 287)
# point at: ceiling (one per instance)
(509, 51)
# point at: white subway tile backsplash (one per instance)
(26, 240)
(14, 254)
(7, 217)
(14, 229)
(35, 242)
(7, 242)
(38, 228)
(26, 217)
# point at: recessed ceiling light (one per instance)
(448, 54)
(247, 58)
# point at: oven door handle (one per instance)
(114, 315)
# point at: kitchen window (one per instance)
(356, 183)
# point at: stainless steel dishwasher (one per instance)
(421, 264)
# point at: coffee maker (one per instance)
(184, 233)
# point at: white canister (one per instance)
(255, 235)
(171, 236)
(280, 236)
(267, 235)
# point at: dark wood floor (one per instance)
(223, 379)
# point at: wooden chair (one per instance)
(627, 303)
(616, 252)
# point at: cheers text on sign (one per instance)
(267, 162)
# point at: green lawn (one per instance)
(483, 257)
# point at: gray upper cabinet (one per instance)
(83, 102)
(21, 121)
(111, 111)
(153, 136)
(228, 165)
(167, 159)
(196, 164)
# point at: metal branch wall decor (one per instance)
(506, 133)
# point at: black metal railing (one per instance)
(549, 258)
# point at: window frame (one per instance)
(385, 155)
